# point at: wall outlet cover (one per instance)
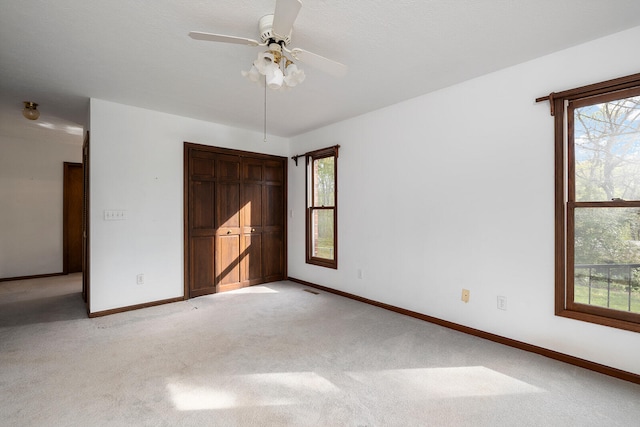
(465, 295)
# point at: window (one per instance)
(598, 202)
(322, 207)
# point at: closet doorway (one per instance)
(235, 219)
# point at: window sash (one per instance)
(313, 249)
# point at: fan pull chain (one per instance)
(265, 108)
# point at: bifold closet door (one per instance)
(201, 222)
(252, 216)
(235, 209)
(228, 233)
(274, 213)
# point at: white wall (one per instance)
(136, 165)
(31, 184)
(455, 190)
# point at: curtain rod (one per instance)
(297, 156)
(592, 89)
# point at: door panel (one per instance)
(203, 166)
(274, 172)
(228, 204)
(252, 217)
(273, 256)
(202, 212)
(202, 267)
(274, 205)
(228, 230)
(252, 170)
(201, 223)
(252, 206)
(228, 262)
(228, 168)
(251, 263)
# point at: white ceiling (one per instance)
(60, 53)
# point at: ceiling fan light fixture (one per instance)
(30, 110)
(275, 33)
(279, 71)
(264, 60)
(274, 77)
(253, 74)
(293, 75)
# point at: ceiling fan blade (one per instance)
(284, 16)
(327, 65)
(222, 38)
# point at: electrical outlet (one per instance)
(360, 274)
(502, 303)
(465, 295)
(140, 279)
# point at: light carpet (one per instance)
(275, 355)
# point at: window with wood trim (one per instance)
(598, 202)
(322, 207)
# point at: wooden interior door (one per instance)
(73, 197)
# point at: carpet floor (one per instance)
(275, 355)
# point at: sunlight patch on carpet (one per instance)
(271, 389)
(442, 383)
(258, 289)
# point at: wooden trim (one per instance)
(35, 276)
(86, 256)
(612, 85)
(600, 319)
(65, 215)
(572, 360)
(285, 224)
(135, 307)
(185, 218)
(315, 153)
(560, 209)
(233, 152)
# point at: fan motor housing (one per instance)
(265, 25)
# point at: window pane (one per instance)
(607, 150)
(324, 181)
(607, 258)
(322, 234)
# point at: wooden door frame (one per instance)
(85, 225)
(219, 150)
(65, 214)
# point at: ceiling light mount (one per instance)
(265, 26)
(30, 110)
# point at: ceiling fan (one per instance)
(278, 70)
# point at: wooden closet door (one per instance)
(252, 221)
(201, 223)
(228, 233)
(235, 225)
(274, 206)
